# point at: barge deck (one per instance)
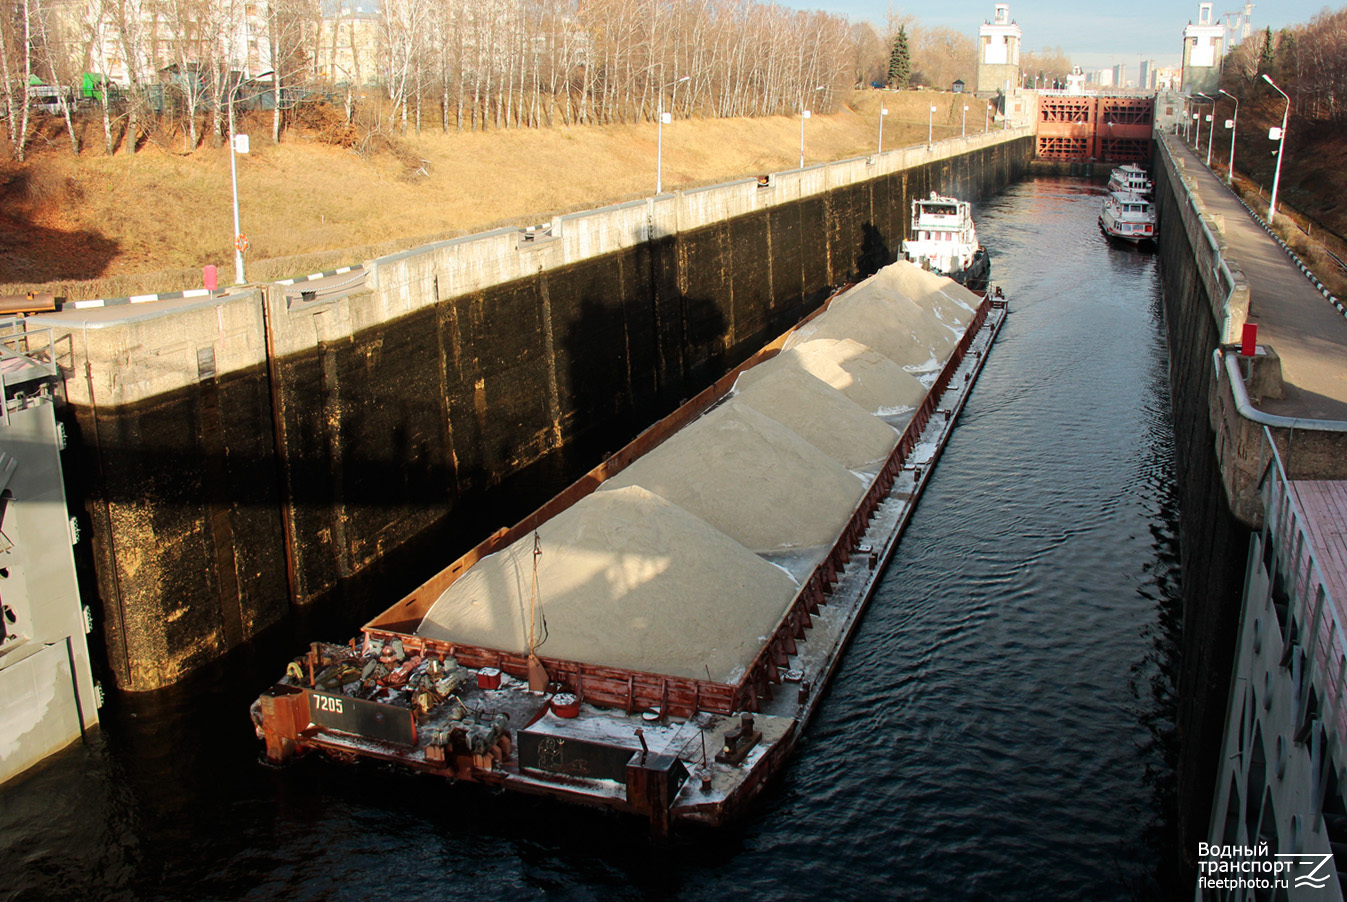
(673, 749)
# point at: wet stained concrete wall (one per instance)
(249, 457)
(176, 473)
(1214, 543)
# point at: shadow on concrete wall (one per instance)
(875, 251)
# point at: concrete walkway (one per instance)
(1298, 322)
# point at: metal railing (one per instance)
(1310, 605)
(27, 356)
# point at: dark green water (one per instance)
(999, 729)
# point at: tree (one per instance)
(196, 26)
(131, 35)
(868, 66)
(1267, 56)
(900, 60)
(13, 45)
(290, 24)
(1049, 64)
(57, 64)
(1286, 54)
(940, 55)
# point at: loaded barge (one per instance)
(655, 638)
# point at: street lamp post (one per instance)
(930, 127)
(237, 144)
(659, 139)
(1234, 123)
(1211, 126)
(883, 111)
(1281, 146)
(804, 114)
(965, 120)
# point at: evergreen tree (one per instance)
(1286, 54)
(900, 60)
(1266, 56)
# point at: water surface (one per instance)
(997, 731)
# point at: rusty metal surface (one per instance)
(1094, 127)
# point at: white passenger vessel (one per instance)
(945, 242)
(1130, 179)
(1128, 217)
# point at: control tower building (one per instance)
(1203, 45)
(998, 53)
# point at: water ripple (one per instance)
(999, 728)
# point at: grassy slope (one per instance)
(1310, 195)
(1315, 172)
(101, 226)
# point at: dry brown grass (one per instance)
(1315, 246)
(98, 226)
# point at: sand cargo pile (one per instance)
(653, 637)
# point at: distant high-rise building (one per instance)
(1203, 45)
(998, 52)
(1120, 76)
(1146, 75)
(1105, 78)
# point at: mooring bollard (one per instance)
(1249, 340)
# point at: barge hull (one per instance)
(615, 754)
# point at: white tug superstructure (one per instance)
(945, 242)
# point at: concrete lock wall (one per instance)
(1206, 302)
(171, 428)
(242, 454)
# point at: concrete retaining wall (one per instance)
(1206, 300)
(1223, 282)
(244, 454)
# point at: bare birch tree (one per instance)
(289, 24)
(133, 36)
(60, 59)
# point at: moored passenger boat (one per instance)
(1130, 179)
(944, 241)
(1128, 217)
(636, 643)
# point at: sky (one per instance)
(1093, 38)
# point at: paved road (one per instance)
(1305, 330)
